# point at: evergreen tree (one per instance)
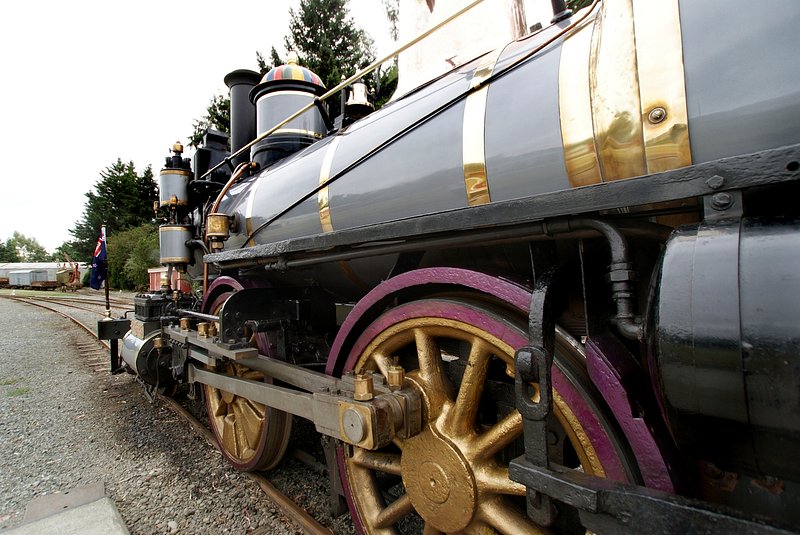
(8, 253)
(327, 40)
(218, 117)
(121, 199)
(575, 5)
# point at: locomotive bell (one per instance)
(358, 104)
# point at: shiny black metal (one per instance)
(611, 507)
(727, 343)
(243, 111)
(113, 330)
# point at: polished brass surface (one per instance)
(622, 93)
(218, 226)
(577, 131)
(473, 140)
(452, 476)
(659, 59)
(363, 387)
(324, 175)
(395, 377)
(186, 324)
(299, 131)
(202, 329)
(616, 107)
(473, 151)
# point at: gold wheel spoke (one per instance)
(220, 408)
(382, 462)
(430, 371)
(240, 427)
(394, 512)
(497, 437)
(494, 479)
(382, 362)
(461, 419)
(229, 434)
(508, 519)
(249, 421)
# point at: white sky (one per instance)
(86, 82)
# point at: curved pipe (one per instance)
(621, 275)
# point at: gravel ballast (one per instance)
(66, 424)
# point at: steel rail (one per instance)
(297, 514)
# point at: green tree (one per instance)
(8, 253)
(218, 117)
(575, 5)
(327, 41)
(25, 249)
(121, 199)
(130, 253)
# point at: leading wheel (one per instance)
(251, 435)
(453, 476)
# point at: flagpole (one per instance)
(108, 301)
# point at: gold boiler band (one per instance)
(322, 196)
(622, 94)
(473, 150)
(473, 140)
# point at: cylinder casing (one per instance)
(728, 343)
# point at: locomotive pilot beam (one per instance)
(553, 287)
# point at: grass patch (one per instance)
(11, 381)
(21, 391)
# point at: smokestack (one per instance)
(243, 112)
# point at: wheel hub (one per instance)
(439, 481)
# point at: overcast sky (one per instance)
(86, 82)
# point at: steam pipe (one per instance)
(620, 274)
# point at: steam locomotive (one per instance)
(554, 288)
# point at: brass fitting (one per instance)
(217, 229)
(363, 387)
(212, 329)
(159, 343)
(186, 324)
(202, 329)
(395, 376)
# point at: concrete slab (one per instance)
(58, 502)
(80, 511)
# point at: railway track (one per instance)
(95, 352)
